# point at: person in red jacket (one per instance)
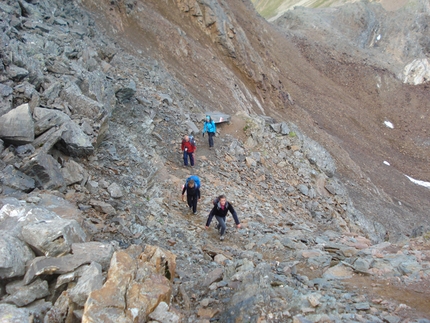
(188, 148)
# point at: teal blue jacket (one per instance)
(209, 127)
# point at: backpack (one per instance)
(196, 181)
(192, 140)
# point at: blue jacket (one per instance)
(209, 127)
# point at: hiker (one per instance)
(193, 194)
(188, 148)
(210, 128)
(220, 210)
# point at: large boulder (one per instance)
(17, 126)
(14, 253)
(74, 141)
(45, 170)
(14, 180)
(48, 118)
(136, 285)
(54, 237)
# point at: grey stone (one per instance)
(103, 207)
(24, 150)
(16, 73)
(392, 319)
(11, 314)
(127, 92)
(98, 251)
(74, 141)
(6, 99)
(16, 180)
(17, 125)
(362, 265)
(219, 117)
(14, 254)
(115, 190)
(45, 170)
(161, 314)
(73, 172)
(22, 295)
(362, 306)
(213, 276)
(48, 118)
(53, 237)
(285, 130)
(303, 189)
(90, 280)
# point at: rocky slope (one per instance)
(91, 197)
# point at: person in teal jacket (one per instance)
(210, 128)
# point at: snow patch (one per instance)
(379, 37)
(389, 124)
(386, 163)
(416, 181)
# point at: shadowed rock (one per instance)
(14, 254)
(17, 125)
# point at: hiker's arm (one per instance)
(233, 212)
(198, 193)
(210, 216)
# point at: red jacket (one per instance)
(188, 145)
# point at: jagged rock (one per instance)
(60, 311)
(213, 276)
(127, 92)
(90, 280)
(54, 237)
(16, 180)
(98, 251)
(219, 117)
(48, 118)
(134, 288)
(17, 125)
(16, 73)
(21, 295)
(24, 150)
(13, 255)
(11, 314)
(45, 170)
(73, 172)
(163, 315)
(115, 190)
(103, 207)
(74, 141)
(6, 99)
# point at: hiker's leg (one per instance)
(194, 203)
(221, 221)
(191, 158)
(212, 139)
(185, 158)
(190, 200)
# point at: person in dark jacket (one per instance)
(210, 128)
(220, 210)
(193, 195)
(188, 148)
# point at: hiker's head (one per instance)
(222, 199)
(186, 138)
(208, 118)
(191, 183)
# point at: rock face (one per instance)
(135, 286)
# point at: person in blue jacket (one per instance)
(210, 128)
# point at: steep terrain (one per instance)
(323, 219)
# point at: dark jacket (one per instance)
(217, 210)
(191, 191)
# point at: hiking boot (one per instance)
(218, 227)
(221, 238)
(194, 213)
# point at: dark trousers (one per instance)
(221, 223)
(192, 202)
(191, 156)
(211, 138)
